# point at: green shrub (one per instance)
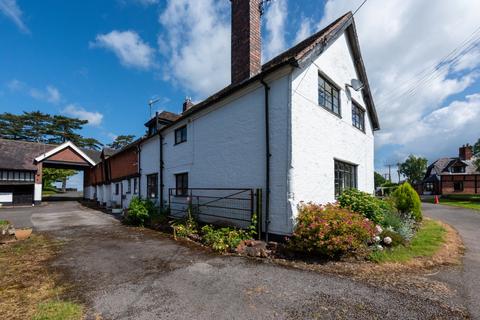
(407, 201)
(139, 211)
(392, 219)
(407, 229)
(364, 204)
(397, 239)
(330, 230)
(4, 223)
(224, 239)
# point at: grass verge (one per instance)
(426, 242)
(475, 205)
(27, 287)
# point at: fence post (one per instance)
(259, 207)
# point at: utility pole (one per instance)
(389, 171)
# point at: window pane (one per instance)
(328, 95)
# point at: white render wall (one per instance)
(319, 137)
(225, 148)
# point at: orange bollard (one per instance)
(436, 201)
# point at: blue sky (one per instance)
(103, 60)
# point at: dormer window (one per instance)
(457, 169)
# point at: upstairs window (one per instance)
(129, 186)
(152, 186)
(345, 177)
(458, 169)
(181, 135)
(181, 184)
(358, 117)
(135, 185)
(328, 95)
(117, 188)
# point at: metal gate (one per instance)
(220, 206)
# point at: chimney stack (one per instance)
(187, 104)
(246, 49)
(465, 152)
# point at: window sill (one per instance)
(363, 131)
(331, 112)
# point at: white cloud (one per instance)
(130, 49)
(50, 94)
(93, 118)
(304, 32)
(402, 41)
(195, 43)
(15, 85)
(275, 18)
(12, 11)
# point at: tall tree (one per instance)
(63, 129)
(35, 125)
(414, 168)
(12, 126)
(476, 148)
(90, 143)
(121, 141)
(50, 176)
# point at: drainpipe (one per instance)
(139, 148)
(160, 138)
(160, 148)
(267, 159)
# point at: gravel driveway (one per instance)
(129, 273)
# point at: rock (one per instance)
(253, 248)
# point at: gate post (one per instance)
(258, 210)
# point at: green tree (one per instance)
(89, 143)
(379, 179)
(121, 141)
(51, 175)
(476, 148)
(35, 125)
(414, 168)
(12, 126)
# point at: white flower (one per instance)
(379, 248)
(376, 239)
(387, 240)
(390, 228)
(378, 229)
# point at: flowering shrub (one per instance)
(223, 239)
(407, 201)
(330, 230)
(391, 238)
(185, 228)
(364, 204)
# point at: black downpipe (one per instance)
(160, 138)
(267, 158)
(139, 148)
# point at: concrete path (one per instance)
(467, 223)
(130, 273)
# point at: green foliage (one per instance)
(407, 201)
(36, 126)
(426, 242)
(4, 223)
(364, 204)
(476, 162)
(330, 230)
(121, 141)
(392, 219)
(407, 229)
(224, 239)
(379, 179)
(58, 310)
(414, 168)
(185, 228)
(50, 175)
(476, 148)
(139, 211)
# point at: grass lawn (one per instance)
(426, 242)
(28, 289)
(469, 202)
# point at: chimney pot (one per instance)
(246, 43)
(465, 152)
(187, 104)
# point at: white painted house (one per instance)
(299, 127)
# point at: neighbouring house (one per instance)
(458, 175)
(21, 165)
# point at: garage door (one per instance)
(22, 195)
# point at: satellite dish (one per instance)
(356, 84)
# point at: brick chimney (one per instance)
(187, 104)
(246, 39)
(465, 152)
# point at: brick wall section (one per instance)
(246, 49)
(67, 155)
(471, 184)
(124, 164)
